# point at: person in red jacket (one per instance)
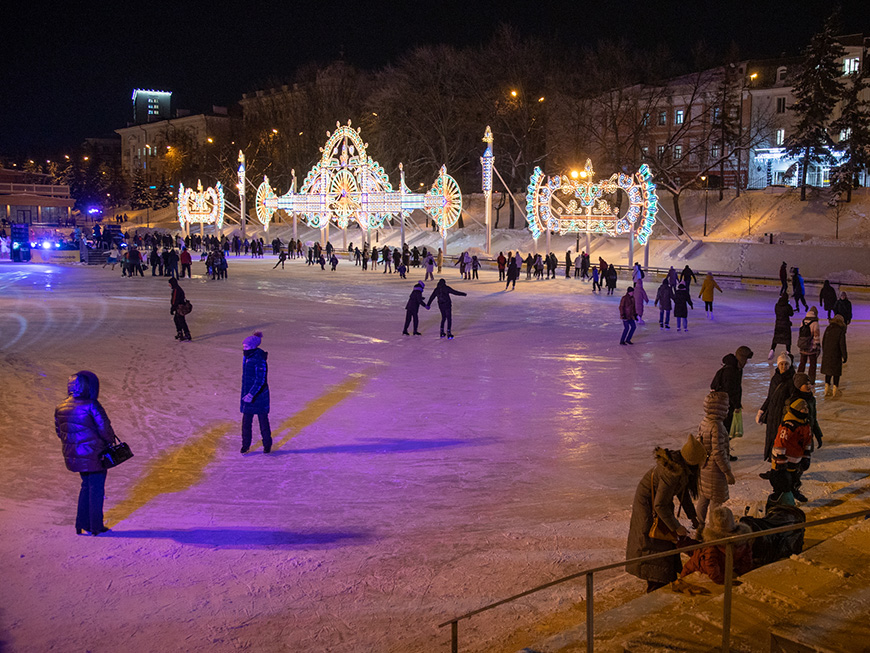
(185, 262)
(85, 432)
(628, 314)
(711, 560)
(793, 442)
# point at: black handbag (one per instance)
(115, 454)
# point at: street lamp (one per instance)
(706, 187)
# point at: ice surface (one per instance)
(413, 478)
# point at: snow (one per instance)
(413, 478)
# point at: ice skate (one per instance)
(449, 336)
(770, 355)
(827, 389)
(417, 333)
(443, 334)
(405, 333)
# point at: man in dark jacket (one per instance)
(415, 301)
(729, 379)
(85, 432)
(783, 278)
(628, 315)
(445, 305)
(177, 305)
(255, 392)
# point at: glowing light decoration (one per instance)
(567, 205)
(348, 185)
(202, 206)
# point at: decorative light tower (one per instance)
(486, 162)
(242, 191)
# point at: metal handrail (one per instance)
(728, 542)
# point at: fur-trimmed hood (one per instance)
(670, 460)
(711, 533)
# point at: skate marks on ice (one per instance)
(170, 472)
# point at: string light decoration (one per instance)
(348, 185)
(580, 205)
(203, 206)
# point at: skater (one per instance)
(475, 266)
(640, 298)
(568, 264)
(637, 274)
(610, 279)
(707, 293)
(429, 264)
(321, 261)
(833, 354)
(412, 307)
(844, 307)
(596, 279)
(664, 297)
(687, 277)
(793, 439)
(186, 262)
(282, 256)
(255, 392)
(778, 393)
(178, 308)
(716, 474)
(674, 476)
(85, 431)
(797, 287)
(628, 315)
(445, 305)
(513, 273)
(440, 261)
(783, 278)
(584, 266)
(782, 326)
(387, 260)
(828, 298)
(672, 279)
(401, 269)
(729, 378)
(333, 261)
(809, 343)
(113, 258)
(501, 261)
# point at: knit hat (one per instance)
(629, 289)
(693, 451)
(253, 341)
(783, 358)
(420, 285)
(743, 354)
(800, 380)
(798, 411)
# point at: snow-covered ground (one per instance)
(413, 478)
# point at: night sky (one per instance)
(69, 73)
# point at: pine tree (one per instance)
(817, 90)
(854, 127)
(141, 195)
(163, 196)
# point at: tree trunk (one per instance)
(677, 216)
(512, 221)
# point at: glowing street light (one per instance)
(706, 186)
(210, 139)
(513, 93)
(574, 174)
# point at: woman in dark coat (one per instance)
(445, 305)
(175, 303)
(412, 308)
(782, 326)
(833, 354)
(682, 299)
(675, 476)
(828, 297)
(844, 307)
(513, 273)
(255, 392)
(85, 432)
(610, 279)
(778, 393)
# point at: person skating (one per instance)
(640, 298)
(782, 325)
(828, 298)
(513, 274)
(501, 261)
(475, 266)
(783, 278)
(568, 264)
(596, 280)
(177, 308)
(729, 378)
(429, 264)
(445, 305)
(412, 307)
(809, 343)
(186, 262)
(834, 354)
(282, 256)
(255, 392)
(85, 431)
(844, 307)
(610, 279)
(674, 476)
(664, 297)
(628, 315)
(706, 294)
(797, 287)
(687, 277)
(333, 261)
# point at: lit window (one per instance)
(660, 150)
(717, 114)
(714, 151)
(851, 65)
(645, 119)
(644, 151)
(780, 105)
(845, 134)
(679, 116)
(663, 117)
(780, 136)
(678, 152)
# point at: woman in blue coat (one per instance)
(255, 392)
(85, 432)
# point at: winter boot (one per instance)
(770, 355)
(449, 336)
(827, 389)
(179, 336)
(834, 391)
(443, 334)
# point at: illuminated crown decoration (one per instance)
(203, 206)
(347, 185)
(567, 205)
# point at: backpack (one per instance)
(805, 337)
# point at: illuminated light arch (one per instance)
(202, 206)
(560, 203)
(348, 185)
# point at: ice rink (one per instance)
(412, 478)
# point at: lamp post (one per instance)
(706, 188)
(743, 87)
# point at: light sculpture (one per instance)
(202, 206)
(348, 185)
(560, 203)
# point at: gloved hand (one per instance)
(730, 478)
(248, 398)
(758, 416)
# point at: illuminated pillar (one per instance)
(242, 191)
(486, 161)
(631, 245)
(293, 187)
(646, 255)
(587, 242)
